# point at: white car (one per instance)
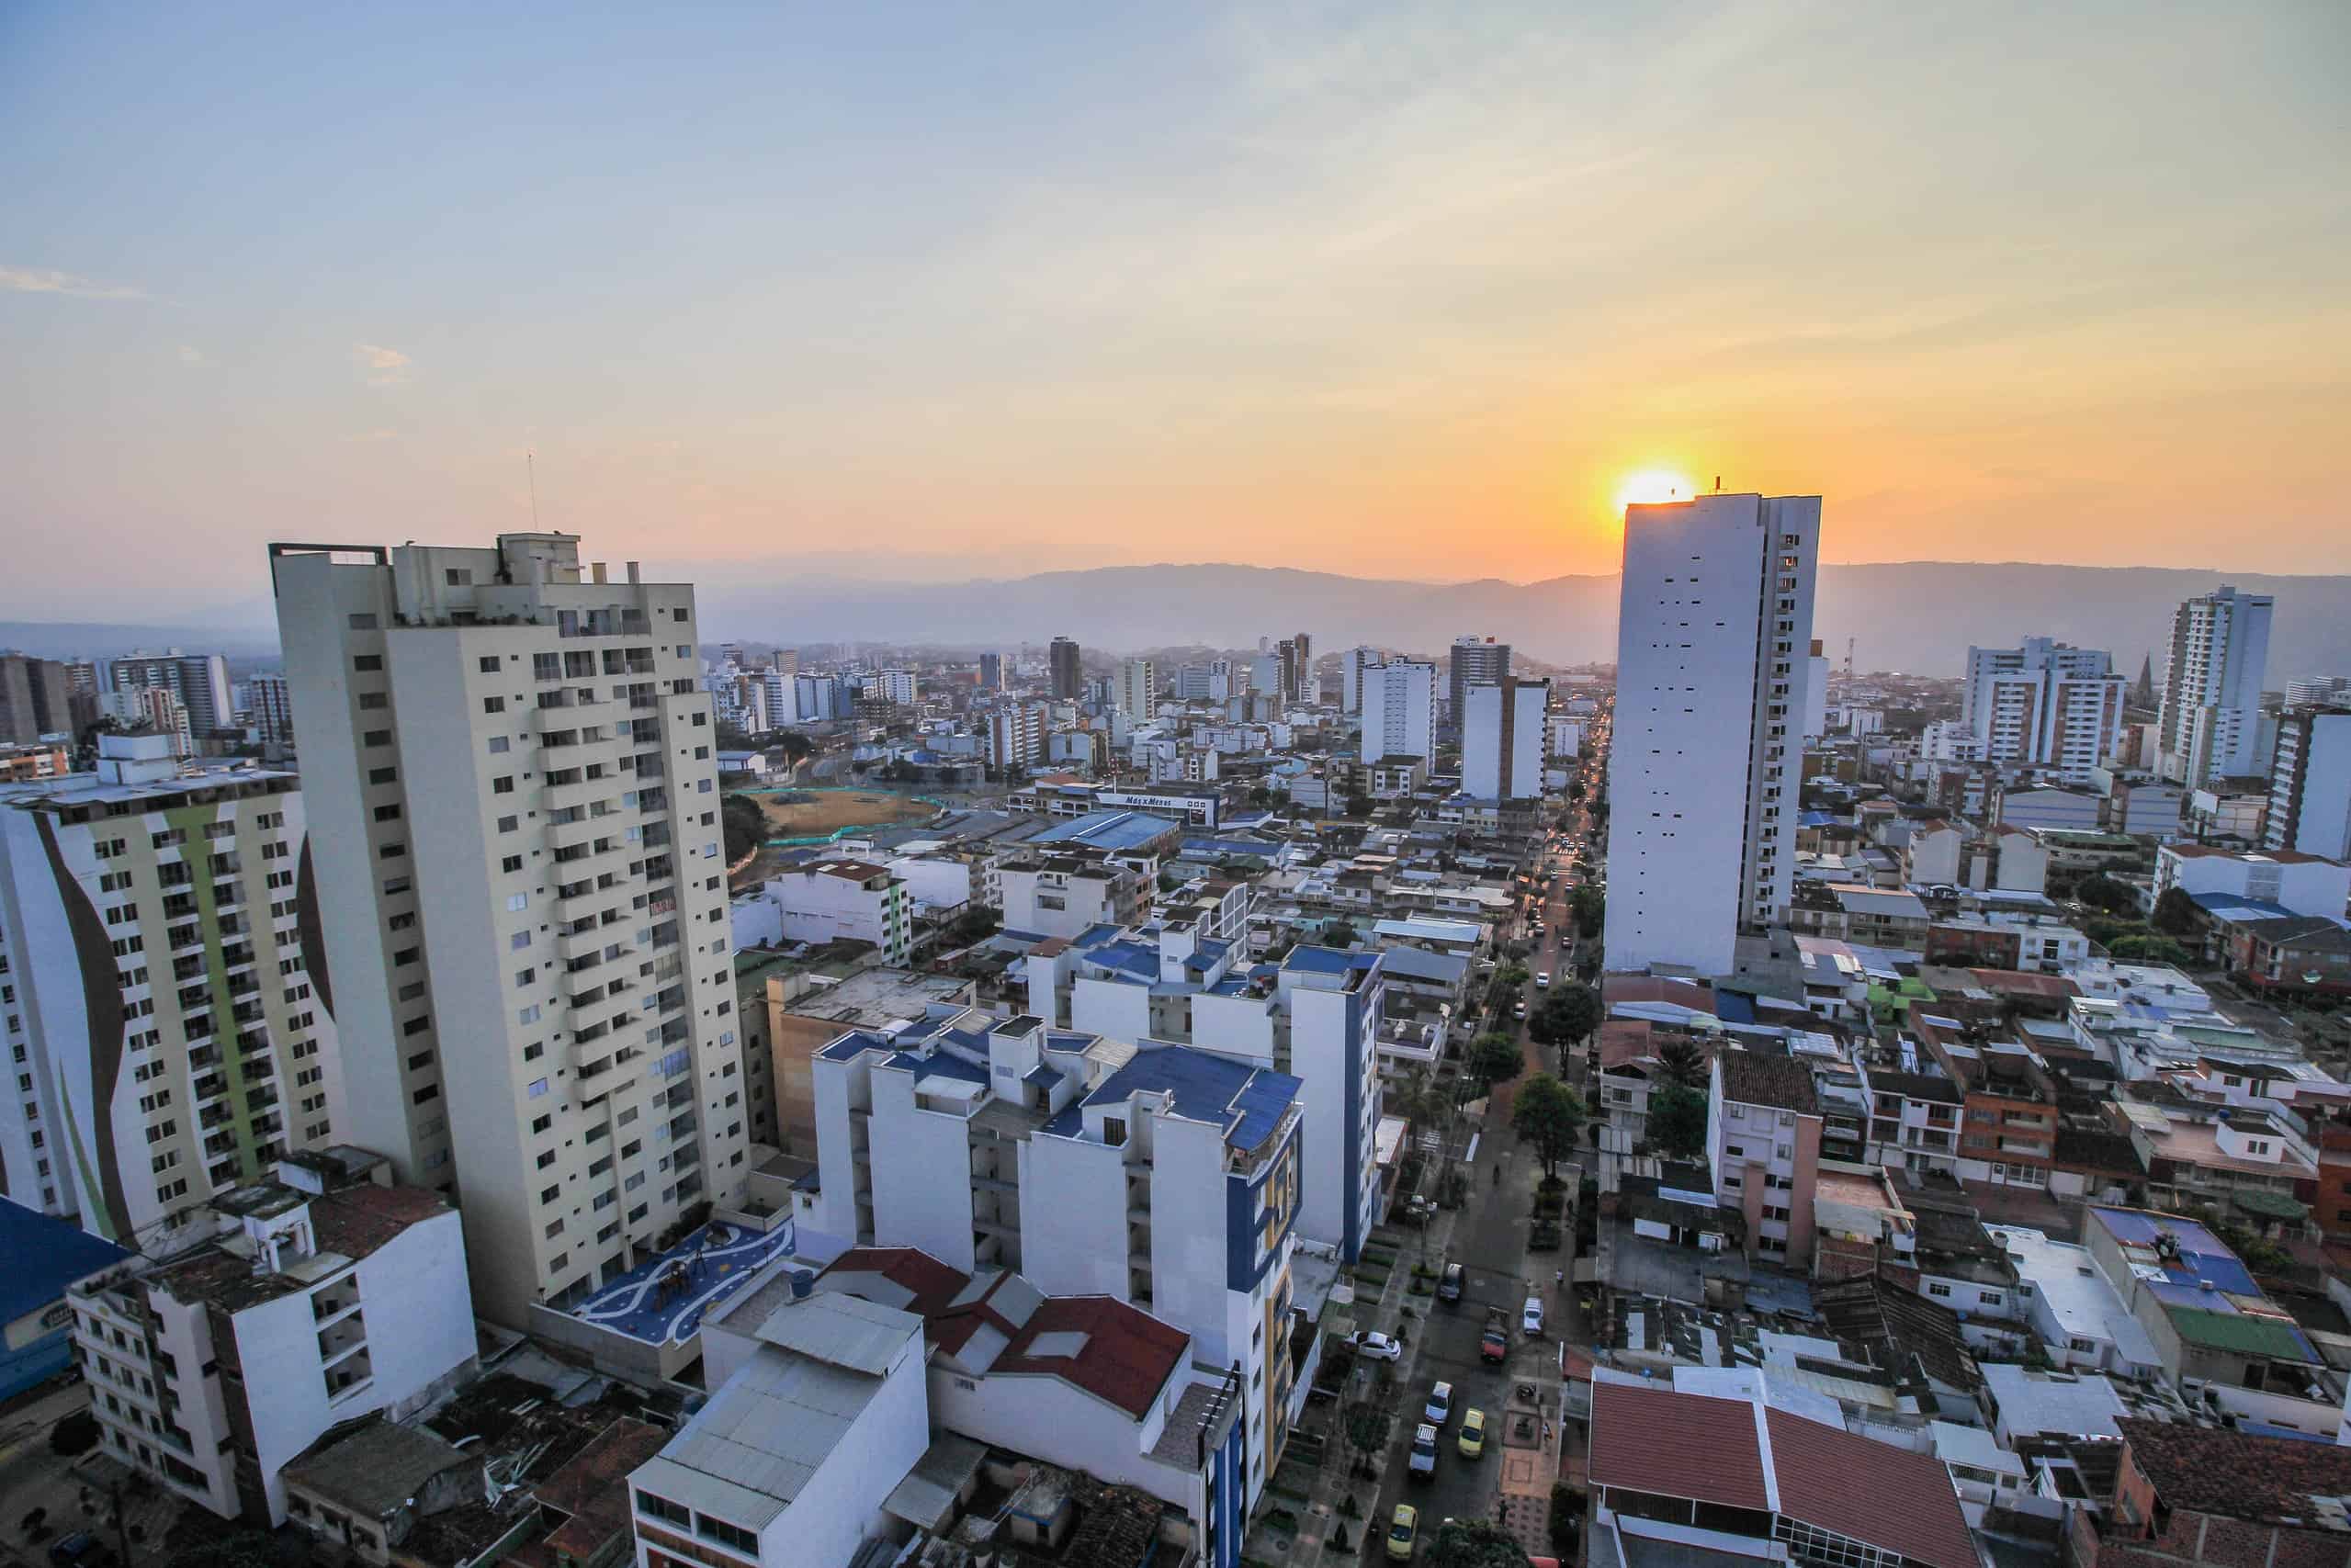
(1377, 1346)
(1542, 981)
(1530, 1319)
(1439, 1408)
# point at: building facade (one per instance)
(1400, 711)
(1711, 666)
(1502, 738)
(1473, 660)
(1138, 691)
(2209, 725)
(1065, 666)
(2310, 784)
(512, 770)
(166, 1038)
(2043, 703)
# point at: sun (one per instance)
(1653, 485)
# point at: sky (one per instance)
(929, 291)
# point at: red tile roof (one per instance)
(1677, 1445)
(1127, 1357)
(591, 1488)
(1892, 1498)
(932, 1284)
(1734, 1453)
(2236, 1474)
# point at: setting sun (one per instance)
(1652, 485)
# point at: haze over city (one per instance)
(914, 293)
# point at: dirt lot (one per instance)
(823, 811)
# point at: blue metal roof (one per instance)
(1248, 1101)
(2202, 1255)
(1132, 959)
(1733, 1007)
(1109, 829)
(853, 1044)
(2240, 908)
(44, 1256)
(1320, 960)
(1094, 936)
(941, 1064)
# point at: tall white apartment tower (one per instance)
(1136, 693)
(2210, 725)
(1501, 747)
(1351, 665)
(513, 796)
(2045, 703)
(1713, 656)
(1400, 711)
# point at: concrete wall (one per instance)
(922, 1181)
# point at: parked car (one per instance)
(1494, 1345)
(1439, 1408)
(1530, 1317)
(1375, 1347)
(1449, 1288)
(80, 1549)
(1542, 980)
(1404, 1525)
(1472, 1441)
(1422, 1465)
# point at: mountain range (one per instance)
(1913, 616)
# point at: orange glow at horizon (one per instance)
(1649, 486)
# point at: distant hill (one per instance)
(1917, 617)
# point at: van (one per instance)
(1449, 1286)
(1530, 1317)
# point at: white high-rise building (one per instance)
(1351, 665)
(2310, 784)
(1136, 693)
(2319, 691)
(1713, 643)
(1227, 678)
(1474, 661)
(2209, 726)
(2044, 705)
(783, 697)
(1502, 738)
(511, 784)
(1400, 711)
(165, 1040)
(1012, 735)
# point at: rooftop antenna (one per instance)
(530, 466)
(1718, 484)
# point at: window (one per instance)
(541, 1123)
(510, 864)
(538, 1089)
(1940, 1291)
(517, 902)
(363, 623)
(519, 941)
(499, 745)
(508, 824)
(493, 704)
(388, 812)
(370, 702)
(375, 738)
(367, 663)
(656, 1508)
(488, 664)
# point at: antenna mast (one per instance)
(530, 465)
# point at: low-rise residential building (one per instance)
(324, 1294)
(1914, 1118)
(2299, 884)
(2082, 1322)
(1066, 895)
(1763, 1138)
(798, 1012)
(2209, 1496)
(830, 900)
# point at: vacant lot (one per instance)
(803, 814)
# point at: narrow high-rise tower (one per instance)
(1713, 638)
(1473, 661)
(1068, 677)
(2209, 726)
(508, 762)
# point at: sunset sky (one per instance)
(907, 290)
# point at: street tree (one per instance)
(1568, 1014)
(1474, 1543)
(1547, 1114)
(1677, 1122)
(1494, 1058)
(2175, 913)
(2100, 891)
(1367, 1426)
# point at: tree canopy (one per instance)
(1683, 1062)
(1547, 1114)
(1474, 1544)
(1568, 1014)
(2175, 913)
(2100, 891)
(1677, 1122)
(1494, 1058)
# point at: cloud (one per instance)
(189, 355)
(45, 280)
(385, 367)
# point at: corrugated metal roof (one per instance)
(748, 1453)
(842, 1330)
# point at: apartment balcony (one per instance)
(578, 795)
(343, 1334)
(336, 1302)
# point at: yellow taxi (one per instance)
(1472, 1440)
(1402, 1529)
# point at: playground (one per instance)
(661, 1300)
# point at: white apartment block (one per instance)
(1351, 665)
(158, 709)
(272, 709)
(2210, 725)
(2303, 884)
(1400, 711)
(511, 772)
(1226, 679)
(1318, 1020)
(2043, 703)
(1064, 895)
(1012, 735)
(835, 899)
(1713, 658)
(2319, 691)
(165, 1039)
(2310, 784)
(1136, 692)
(1161, 1176)
(1502, 738)
(200, 680)
(313, 1298)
